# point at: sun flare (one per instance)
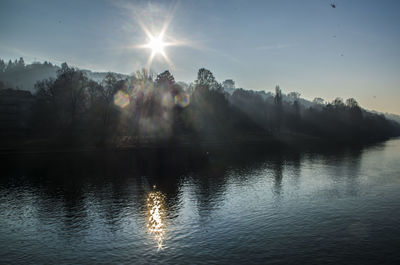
(156, 45)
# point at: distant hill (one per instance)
(23, 77)
(17, 75)
(99, 76)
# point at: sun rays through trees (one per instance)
(148, 108)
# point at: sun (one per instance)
(156, 45)
(157, 42)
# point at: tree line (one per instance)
(146, 107)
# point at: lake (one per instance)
(338, 206)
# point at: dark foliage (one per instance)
(147, 109)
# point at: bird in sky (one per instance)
(333, 5)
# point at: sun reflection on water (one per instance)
(156, 215)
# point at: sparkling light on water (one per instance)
(156, 214)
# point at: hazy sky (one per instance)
(352, 50)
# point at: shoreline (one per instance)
(277, 143)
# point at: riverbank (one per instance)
(284, 140)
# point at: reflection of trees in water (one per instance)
(277, 167)
(209, 184)
(295, 167)
(350, 162)
(211, 181)
(342, 163)
(114, 183)
(109, 184)
(281, 162)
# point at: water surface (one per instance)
(236, 207)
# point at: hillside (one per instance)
(17, 75)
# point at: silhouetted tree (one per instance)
(278, 107)
(109, 88)
(2, 66)
(319, 101)
(141, 107)
(228, 85)
(294, 96)
(144, 75)
(64, 98)
(165, 80)
(338, 102)
(10, 66)
(205, 80)
(21, 63)
(351, 103)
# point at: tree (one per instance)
(108, 99)
(109, 82)
(94, 93)
(10, 65)
(165, 80)
(228, 85)
(338, 102)
(278, 107)
(144, 76)
(294, 96)
(206, 79)
(64, 99)
(21, 63)
(2, 66)
(355, 111)
(278, 97)
(351, 103)
(319, 101)
(64, 67)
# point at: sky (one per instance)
(307, 46)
